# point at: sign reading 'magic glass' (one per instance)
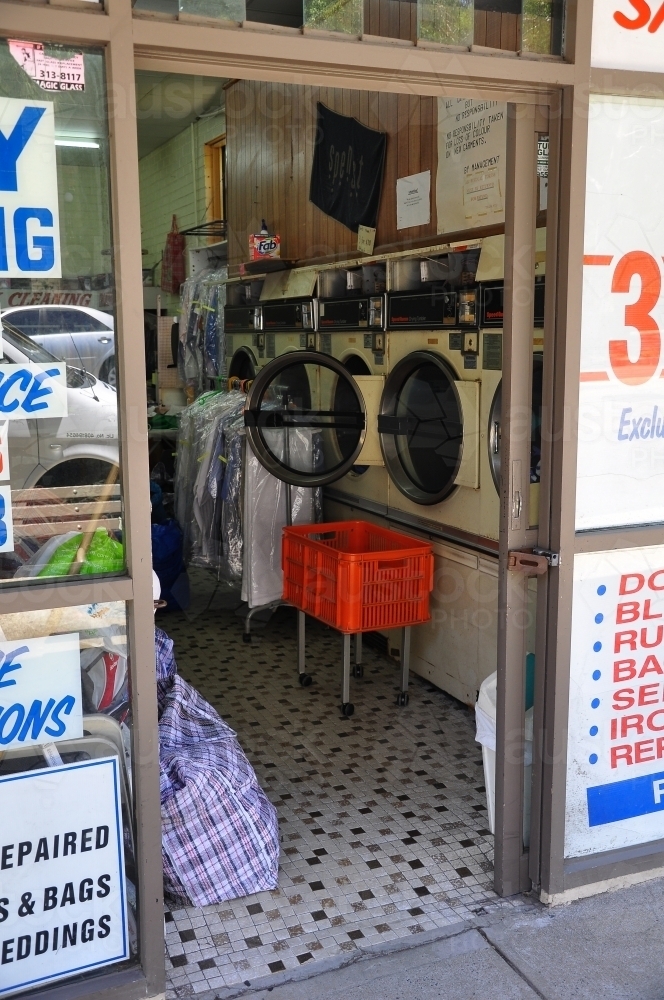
(29, 222)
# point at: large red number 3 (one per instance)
(638, 315)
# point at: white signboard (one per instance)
(49, 72)
(470, 181)
(414, 200)
(628, 34)
(620, 477)
(33, 391)
(40, 691)
(615, 764)
(62, 883)
(29, 222)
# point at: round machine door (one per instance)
(495, 415)
(243, 364)
(305, 418)
(421, 427)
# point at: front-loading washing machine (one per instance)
(242, 323)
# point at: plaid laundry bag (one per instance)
(220, 835)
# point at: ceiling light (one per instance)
(79, 143)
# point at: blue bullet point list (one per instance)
(597, 674)
(597, 646)
(594, 730)
(594, 703)
(601, 590)
(599, 619)
(593, 758)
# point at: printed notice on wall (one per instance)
(63, 901)
(620, 477)
(40, 691)
(49, 72)
(470, 181)
(414, 200)
(29, 220)
(615, 764)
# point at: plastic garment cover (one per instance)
(265, 515)
(201, 354)
(220, 835)
(207, 506)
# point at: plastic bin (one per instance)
(356, 576)
(485, 718)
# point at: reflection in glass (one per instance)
(541, 26)
(346, 16)
(225, 10)
(450, 22)
(430, 435)
(61, 481)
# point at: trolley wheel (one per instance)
(246, 637)
(305, 680)
(358, 670)
(347, 709)
(402, 699)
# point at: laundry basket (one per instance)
(356, 576)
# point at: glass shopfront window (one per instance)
(67, 852)
(60, 494)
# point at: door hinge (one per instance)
(534, 563)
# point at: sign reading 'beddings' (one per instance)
(615, 766)
(62, 882)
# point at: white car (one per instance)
(75, 450)
(79, 335)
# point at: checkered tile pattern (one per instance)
(382, 816)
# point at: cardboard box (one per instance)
(261, 246)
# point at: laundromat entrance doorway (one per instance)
(374, 350)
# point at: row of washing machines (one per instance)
(419, 335)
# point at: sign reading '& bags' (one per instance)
(62, 884)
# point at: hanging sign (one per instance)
(615, 764)
(40, 691)
(49, 72)
(62, 882)
(628, 34)
(470, 182)
(414, 200)
(620, 477)
(29, 221)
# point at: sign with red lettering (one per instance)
(620, 478)
(628, 34)
(615, 763)
(63, 891)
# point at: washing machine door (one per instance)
(305, 418)
(421, 427)
(495, 413)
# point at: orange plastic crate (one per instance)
(356, 576)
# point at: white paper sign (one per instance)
(615, 764)
(414, 200)
(40, 691)
(29, 220)
(4, 444)
(628, 34)
(63, 894)
(49, 72)
(620, 477)
(33, 391)
(470, 181)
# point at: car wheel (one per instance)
(108, 372)
(77, 472)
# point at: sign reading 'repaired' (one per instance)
(615, 765)
(40, 691)
(29, 220)
(628, 34)
(62, 883)
(620, 478)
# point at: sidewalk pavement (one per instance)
(606, 947)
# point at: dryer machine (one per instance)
(242, 323)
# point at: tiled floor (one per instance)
(382, 816)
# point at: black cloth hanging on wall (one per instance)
(347, 171)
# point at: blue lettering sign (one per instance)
(625, 799)
(46, 258)
(11, 147)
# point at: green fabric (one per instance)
(104, 555)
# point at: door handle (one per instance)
(104, 340)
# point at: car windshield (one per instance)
(76, 378)
(32, 350)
